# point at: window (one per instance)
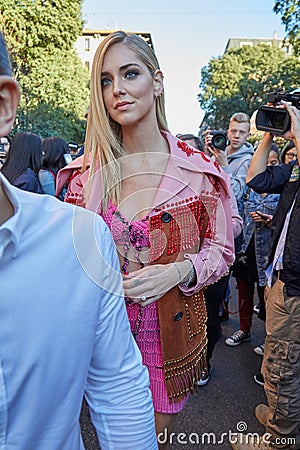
(245, 44)
(87, 44)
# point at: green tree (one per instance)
(241, 79)
(54, 83)
(290, 17)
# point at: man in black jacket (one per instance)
(281, 363)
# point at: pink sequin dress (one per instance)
(143, 320)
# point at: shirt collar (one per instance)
(13, 224)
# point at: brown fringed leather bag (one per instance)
(182, 318)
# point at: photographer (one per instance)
(281, 363)
(236, 156)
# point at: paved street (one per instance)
(226, 402)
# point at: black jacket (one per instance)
(284, 180)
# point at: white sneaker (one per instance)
(237, 338)
(205, 377)
(259, 350)
(256, 309)
(259, 379)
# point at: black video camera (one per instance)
(277, 120)
(219, 139)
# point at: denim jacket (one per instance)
(262, 233)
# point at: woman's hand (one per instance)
(147, 285)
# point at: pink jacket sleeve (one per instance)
(217, 251)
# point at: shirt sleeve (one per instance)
(216, 254)
(272, 180)
(117, 389)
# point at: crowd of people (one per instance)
(32, 164)
(129, 270)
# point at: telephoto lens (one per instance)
(219, 139)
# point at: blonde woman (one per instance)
(168, 209)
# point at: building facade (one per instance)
(251, 42)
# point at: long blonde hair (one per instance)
(103, 143)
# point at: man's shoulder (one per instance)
(51, 219)
(48, 205)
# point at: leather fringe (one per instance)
(185, 224)
(184, 341)
(181, 377)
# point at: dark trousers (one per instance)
(214, 295)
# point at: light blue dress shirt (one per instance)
(64, 332)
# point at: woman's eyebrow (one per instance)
(124, 67)
(129, 65)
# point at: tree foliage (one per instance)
(241, 79)
(290, 17)
(40, 35)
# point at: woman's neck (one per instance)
(142, 141)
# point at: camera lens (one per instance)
(219, 141)
(276, 120)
